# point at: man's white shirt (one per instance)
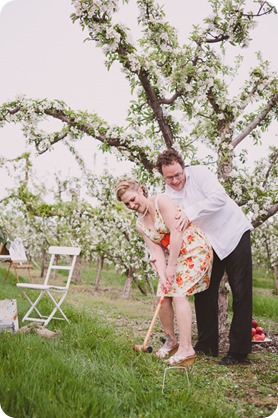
(206, 203)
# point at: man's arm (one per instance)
(212, 197)
(212, 194)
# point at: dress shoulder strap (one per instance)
(157, 210)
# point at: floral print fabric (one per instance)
(194, 261)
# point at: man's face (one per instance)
(174, 175)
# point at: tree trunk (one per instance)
(127, 287)
(43, 263)
(275, 278)
(138, 284)
(56, 262)
(99, 272)
(150, 286)
(76, 277)
(223, 303)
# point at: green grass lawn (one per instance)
(91, 370)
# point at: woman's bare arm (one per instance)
(168, 209)
(157, 257)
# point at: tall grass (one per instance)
(266, 306)
(262, 280)
(91, 371)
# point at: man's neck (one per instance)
(173, 191)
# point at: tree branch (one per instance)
(246, 102)
(3, 199)
(212, 100)
(135, 153)
(217, 39)
(171, 99)
(272, 164)
(270, 105)
(156, 108)
(261, 219)
(56, 139)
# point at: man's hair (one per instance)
(169, 157)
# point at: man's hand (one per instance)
(181, 220)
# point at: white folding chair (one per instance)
(18, 259)
(49, 289)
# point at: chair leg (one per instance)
(7, 272)
(16, 275)
(33, 307)
(57, 308)
(31, 280)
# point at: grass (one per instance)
(91, 371)
(262, 280)
(265, 306)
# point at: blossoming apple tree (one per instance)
(181, 97)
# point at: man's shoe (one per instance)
(232, 360)
(205, 351)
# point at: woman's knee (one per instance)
(181, 301)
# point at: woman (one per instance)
(182, 259)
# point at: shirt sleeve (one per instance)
(212, 195)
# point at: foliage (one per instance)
(265, 244)
(181, 97)
(6, 236)
(103, 230)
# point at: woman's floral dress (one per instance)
(194, 262)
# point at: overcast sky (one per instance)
(43, 56)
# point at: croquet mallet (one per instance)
(144, 347)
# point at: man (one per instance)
(206, 203)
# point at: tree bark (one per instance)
(223, 304)
(275, 278)
(127, 287)
(76, 277)
(99, 272)
(43, 263)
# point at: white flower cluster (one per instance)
(92, 7)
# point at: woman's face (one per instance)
(135, 200)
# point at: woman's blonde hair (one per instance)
(126, 183)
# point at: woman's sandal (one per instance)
(165, 351)
(177, 360)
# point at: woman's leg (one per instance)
(166, 316)
(184, 321)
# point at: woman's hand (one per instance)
(171, 271)
(181, 220)
(166, 282)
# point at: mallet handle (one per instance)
(153, 320)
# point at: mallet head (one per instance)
(144, 348)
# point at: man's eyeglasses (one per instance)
(177, 176)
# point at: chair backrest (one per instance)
(64, 250)
(17, 251)
(73, 252)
